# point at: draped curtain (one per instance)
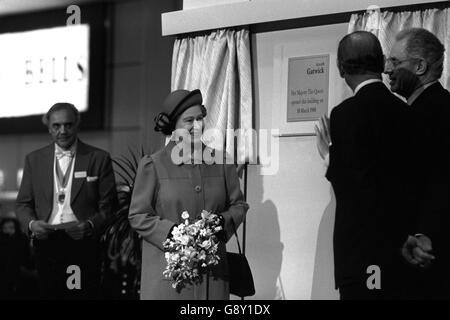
(385, 25)
(218, 64)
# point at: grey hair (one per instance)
(421, 43)
(58, 107)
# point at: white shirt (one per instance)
(62, 213)
(365, 83)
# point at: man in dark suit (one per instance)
(365, 170)
(65, 199)
(414, 68)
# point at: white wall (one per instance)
(290, 223)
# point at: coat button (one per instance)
(198, 188)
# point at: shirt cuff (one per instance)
(29, 225)
(418, 235)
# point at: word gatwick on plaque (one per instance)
(307, 96)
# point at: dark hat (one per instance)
(174, 105)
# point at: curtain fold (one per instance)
(218, 64)
(387, 24)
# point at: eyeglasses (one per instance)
(394, 62)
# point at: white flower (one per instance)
(206, 244)
(200, 224)
(184, 240)
(205, 214)
(194, 229)
(191, 250)
(185, 215)
(202, 255)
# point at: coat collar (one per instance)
(416, 94)
(47, 171)
(365, 83)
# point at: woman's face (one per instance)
(192, 121)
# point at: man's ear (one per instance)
(422, 67)
(341, 70)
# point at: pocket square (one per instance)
(91, 179)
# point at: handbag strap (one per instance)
(235, 233)
(232, 221)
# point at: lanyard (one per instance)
(62, 179)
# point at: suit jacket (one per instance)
(370, 183)
(93, 200)
(431, 137)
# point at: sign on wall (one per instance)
(302, 91)
(307, 92)
(42, 67)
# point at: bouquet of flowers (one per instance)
(192, 249)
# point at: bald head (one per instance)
(360, 53)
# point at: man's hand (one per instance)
(41, 229)
(417, 251)
(80, 231)
(323, 138)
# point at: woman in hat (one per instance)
(165, 187)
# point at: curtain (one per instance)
(385, 25)
(218, 64)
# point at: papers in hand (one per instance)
(63, 226)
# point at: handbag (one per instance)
(240, 275)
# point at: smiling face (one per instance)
(402, 70)
(192, 121)
(63, 128)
